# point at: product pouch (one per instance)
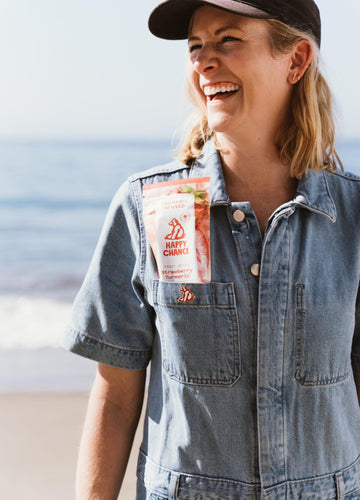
(177, 225)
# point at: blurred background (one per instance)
(87, 97)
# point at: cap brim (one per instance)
(171, 19)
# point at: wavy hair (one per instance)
(307, 139)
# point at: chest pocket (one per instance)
(199, 332)
(324, 329)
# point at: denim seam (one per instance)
(141, 230)
(300, 311)
(168, 168)
(173, 305)
(340, 486)
(226, 382)
(316, 478)
(283, 213)
(174, 486)
(293, 482)
(228, 286)
(285, 433)
(322, 382)
(349, 176)
(91, 340)
(197, 476)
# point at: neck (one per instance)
(257, 151)
(256, 165)
(254, 173)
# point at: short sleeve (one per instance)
(355, 354)
(111, 320)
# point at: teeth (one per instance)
(209, 91)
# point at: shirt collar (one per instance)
(313, 191)
(208, 164)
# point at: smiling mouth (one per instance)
(220, 91)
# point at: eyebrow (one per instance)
(218, 31)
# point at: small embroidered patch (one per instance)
(187, 295)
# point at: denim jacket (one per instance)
(251, 390)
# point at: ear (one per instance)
(301, 58)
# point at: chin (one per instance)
(220, 121)
(219, 126)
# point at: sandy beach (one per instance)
(39, 436)
(43, 398)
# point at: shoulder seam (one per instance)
(349, 176)
(167, 168)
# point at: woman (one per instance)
(252, 390)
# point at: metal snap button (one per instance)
(300, 199)
(255, 269)
(239, 216)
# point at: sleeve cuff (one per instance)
(88, 347)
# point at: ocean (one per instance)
(53, 199)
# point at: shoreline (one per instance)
(30, 322)
(44, 370)
(31, 356)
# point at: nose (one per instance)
(205, 59)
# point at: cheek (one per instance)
(277, 72)
(195, 91)
(266, 81)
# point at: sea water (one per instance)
(53, 199)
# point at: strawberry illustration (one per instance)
(202, 227)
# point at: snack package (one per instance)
(177, 224)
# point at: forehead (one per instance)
(208, 19)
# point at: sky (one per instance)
(89, 69)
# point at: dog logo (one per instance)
(177, 231)
(187, 295)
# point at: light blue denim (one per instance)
(251, 392)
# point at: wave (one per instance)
(31, 322)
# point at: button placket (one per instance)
(271, 339)
(244, 222)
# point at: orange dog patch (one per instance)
(187, 295)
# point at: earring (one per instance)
(296, 77)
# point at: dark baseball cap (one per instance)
(171, 19)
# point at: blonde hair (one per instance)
(307, 139)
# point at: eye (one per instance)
(229, 38)
(194, 47)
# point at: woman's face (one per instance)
(241, 84)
